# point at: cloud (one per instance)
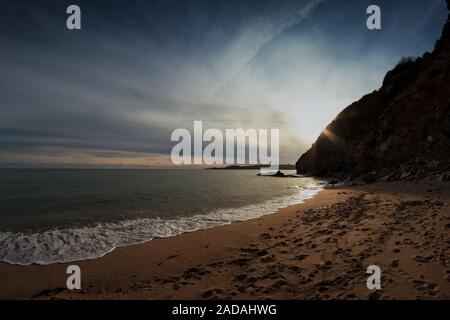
(136, 72)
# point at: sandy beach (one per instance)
(316, 250)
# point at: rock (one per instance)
(384, 147)
(370, 177)
(445, 177)
(404, 127)
(333, 182)
(433, 164)
(279, 174)
(405, 175)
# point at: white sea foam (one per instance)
(90, 242)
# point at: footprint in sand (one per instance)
(268, 259)
(241, 262)
(375, 296)
(395, 263)
(422, 259)
(265, 236)
(49, 293)
(195, 273)
(213, 294)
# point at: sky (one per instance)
(111, 94)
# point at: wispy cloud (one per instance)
(113, 92)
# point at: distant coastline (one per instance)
(253, 167)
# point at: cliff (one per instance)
(401, 131)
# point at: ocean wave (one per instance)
(91, 242)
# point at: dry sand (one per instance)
(316, 250)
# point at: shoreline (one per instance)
(146, 228)
(286, 255)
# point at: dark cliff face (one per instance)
(399, 131)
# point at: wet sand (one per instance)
(316, 250)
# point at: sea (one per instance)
(55, 216)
